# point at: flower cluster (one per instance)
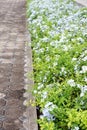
(59, 44)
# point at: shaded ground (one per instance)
(12, 40)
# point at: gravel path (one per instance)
(12, 44)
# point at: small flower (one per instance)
(82, 94)
(74, 59)
(76, 68)
(84, 69)
(54, 64)
(80, 39)
(79, 86)
(85, 79)
(44, 95)
(65, 48)
(85, 58)
(40, 86)
(76, 128)
(83, 90)
(71, 82)
(48, 58)
(63, 71)
(47, 114)
(47, 109)
(35, 91)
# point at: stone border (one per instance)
(82, 2)
(30, 122)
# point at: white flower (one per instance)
(82, 94)
(85, 79)
(44, 79)
(35, 91)
(44, 95)
(79, 86)
(54, 64)
(65, 48)
(48, 58)
(84, 69)
(74, 59)
(40, 86)
(52, 43)
(83, 90)
(45, 39)
(47, 114)
(71, 82)
(75, 128)
(76, 68)
(49, 104)
(63, 71)
(85, 58)
(80, 39)
(47, 109)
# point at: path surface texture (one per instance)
(82, 2)
(12, 44)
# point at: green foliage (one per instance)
(59, 44)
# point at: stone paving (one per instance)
(12, 43)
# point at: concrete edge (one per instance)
(81, 2)
(30, 122)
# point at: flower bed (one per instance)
(59, 40)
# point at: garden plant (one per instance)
(58, 31)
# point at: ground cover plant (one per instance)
(59, 44)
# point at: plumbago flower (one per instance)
(71, 82)
(75, 128)
(59, 44)
(46, 111)
(84, 69)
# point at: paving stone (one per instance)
(4, 86)
(10, 125)
(2, 117)
(6, 61)
(13, 112)
(1, 123)
(16, 94)
(2, 95)
(7, 53)
(14, 103)
(2, 111)
(2, 102)
(18, 87)
(3, 79)
(18, 70)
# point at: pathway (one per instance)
(82, 2)
(12, 44)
